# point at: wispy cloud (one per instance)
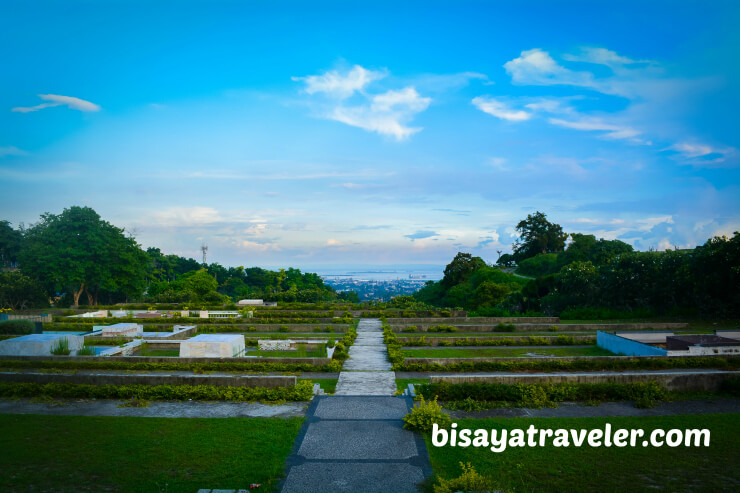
(338, 85)
(56, 100)
(12, 151)
(595, 124)
(420, 235)
(500, 109)
(388, 113)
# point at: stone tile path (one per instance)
(357, 444)
(354, 441)
(367, 371)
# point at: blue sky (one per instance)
(342, 133)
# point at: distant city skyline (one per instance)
(336, 134)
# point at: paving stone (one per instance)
(367, 358)
(358, 440)
(353, 477)
(341, 407)
(366, 383)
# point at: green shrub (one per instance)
(302, 391)
(445, 313)
(424, 414)
(61, 348)
(468, 481)
(16, 327)
(442, 328)
(502, 327)
(410, 328)
(86, 351)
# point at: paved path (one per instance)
(367, 371)
(357, 443)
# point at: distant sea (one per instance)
(382, 273)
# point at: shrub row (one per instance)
(395, 354)
(562, 340)
(16, 327)
(595, 364)
(196, 320)
(539, 395)
(341, 350)
(235, 366)
(302, 391)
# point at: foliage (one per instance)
(442, 328)
(19, 292)
(468, 481)
(502, 327)
(561, 340)
(537, 235)
(175, 365)
(16, 327)
(61, 348)
(10, 245)
(302, 391)
(541, 395)
(564, 364)
(78, 251)
(424, 414)
(86, 351)
(539, 265)
(460, 269)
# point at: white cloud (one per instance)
(602, 56)
(703, 155)
(12, 151)
(592, 124)
(537, 67)
(500, 109)
(387, 113)
(186, 216)
(339, 85)
(56, 100)
(333, 242)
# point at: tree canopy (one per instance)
(538, 235)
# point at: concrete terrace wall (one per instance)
(434, 341)
(479, 320)
(112, 379)
(530, 327)
(170, 359)
(686, 380)
(620, 345)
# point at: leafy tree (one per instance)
(460, 269)
(10, 244)
(538, 235)
(78, 251)
(18, 292)
(350, 296)
(506, 260)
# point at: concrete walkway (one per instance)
(356, 443)
(367, 371)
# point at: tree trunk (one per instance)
(77, 295)
(89, 298)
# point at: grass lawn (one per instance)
(505, 352)
(403, 383)
(712, 468)
(328, 385)
(82, 453)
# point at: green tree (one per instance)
(78, 251)
(18, 292)
(201, 283)
(10, 244)
(538, 235)
(460, 269)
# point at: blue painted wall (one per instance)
(620, 345)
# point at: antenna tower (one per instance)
(204, 249)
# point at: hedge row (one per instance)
(197, 320)
(235, 366)
(16, 327)
(557, 392)
(302, 391)
(593, 364)
(562, 340)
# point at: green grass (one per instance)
(159, 352)
(80, 453)
(403, 383)
(710, 469)
(505, 352)
(328, 385)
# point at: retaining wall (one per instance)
(434, 341)
(153, 379)
(699, 381)
(170, 359)
(479, 320)
(531, 327)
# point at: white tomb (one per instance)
(38, 344)
(120, 330)
(213, 346)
